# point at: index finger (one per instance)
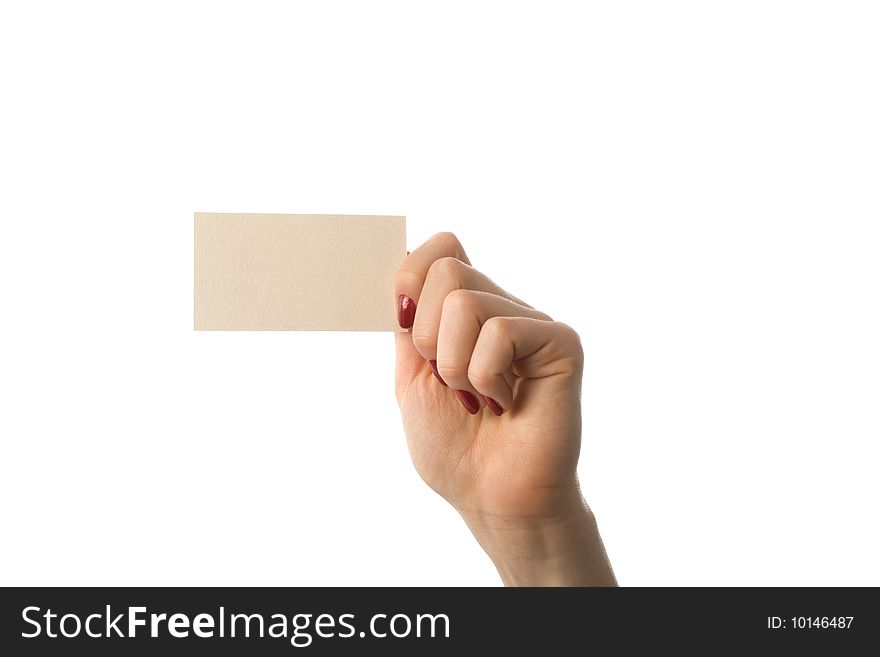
(414, 268)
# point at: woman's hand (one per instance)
(495, 427)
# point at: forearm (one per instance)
(563, 550)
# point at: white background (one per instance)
(695, 186)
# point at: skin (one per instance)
(513, 477)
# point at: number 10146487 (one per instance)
(809, 622)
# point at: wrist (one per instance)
(560, 548)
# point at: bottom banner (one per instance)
(255, 621)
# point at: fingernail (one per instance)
(433, 364)
(493, 405)
(406, 311)
(468, 401)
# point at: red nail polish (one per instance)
(433, 364)
(468, 401)
(406, 311)
(493, 405)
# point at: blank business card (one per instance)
(296, 272)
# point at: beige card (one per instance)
(296, 272)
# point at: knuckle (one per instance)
(460, 300)
(447, 240)
(448, 269)
(497, 328)
(572, 340)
